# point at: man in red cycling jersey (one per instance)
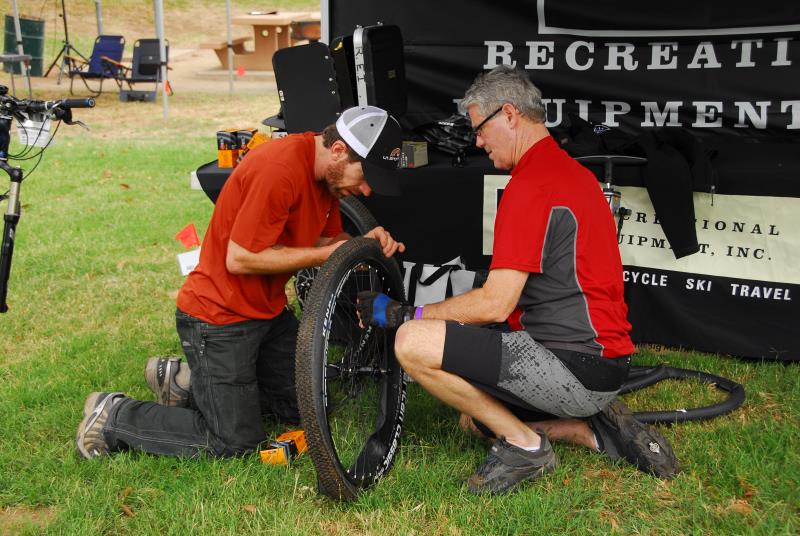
(555, 261)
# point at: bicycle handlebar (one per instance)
(79, 103)
(12, 105)
(46, 106)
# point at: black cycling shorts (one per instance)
(528, 377)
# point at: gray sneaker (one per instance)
(170, 381)
(90, 440)
(621, 436)
(507, 465)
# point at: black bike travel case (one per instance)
(344, 64)
(315, 83)
(306, 87)
(372, 64)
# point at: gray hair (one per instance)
(505, 84)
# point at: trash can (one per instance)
(32, 42)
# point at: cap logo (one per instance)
(394, 156)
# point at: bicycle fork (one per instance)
(12, 214)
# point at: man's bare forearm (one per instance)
(276, 259)
(493, 302)
(474, 307)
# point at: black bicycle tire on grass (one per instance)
(356, 221)
(333, 357)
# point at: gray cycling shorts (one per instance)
(518, 370)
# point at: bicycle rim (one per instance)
(351, 391)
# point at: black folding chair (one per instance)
(103, 63)
(145, 69)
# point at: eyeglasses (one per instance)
(477, 130)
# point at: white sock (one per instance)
(531, 449)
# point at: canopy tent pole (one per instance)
(98, 10)
(26, 65)
(158, 6)
(230, 46)
(325, 22)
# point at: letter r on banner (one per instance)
(498, 53)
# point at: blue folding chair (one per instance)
(102, 65)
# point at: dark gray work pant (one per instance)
(240, 372)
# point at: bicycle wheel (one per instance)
(350, 388)
(356, 220)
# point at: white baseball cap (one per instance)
(376, 137)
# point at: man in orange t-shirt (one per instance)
(277, 213)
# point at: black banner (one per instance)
(722, 68)
(726, 72)
(711, 313)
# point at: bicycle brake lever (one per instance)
(66, 117)
(79, 123)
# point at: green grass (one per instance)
(92, 296)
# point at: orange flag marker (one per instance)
(188, 236)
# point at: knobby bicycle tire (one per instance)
(350, 388)
(356, 220)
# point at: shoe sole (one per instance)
(151, 378)
(651, 447)
(90, 404)
(79, 438)
(91, 411)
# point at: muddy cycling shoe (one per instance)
(507, 465)
(90, 440)
(169, 379)
(620, 436)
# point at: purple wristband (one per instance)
(418, 313)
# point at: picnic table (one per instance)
(271, 31)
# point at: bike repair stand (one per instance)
(613, 196)
(643, 376)
(65, 52)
